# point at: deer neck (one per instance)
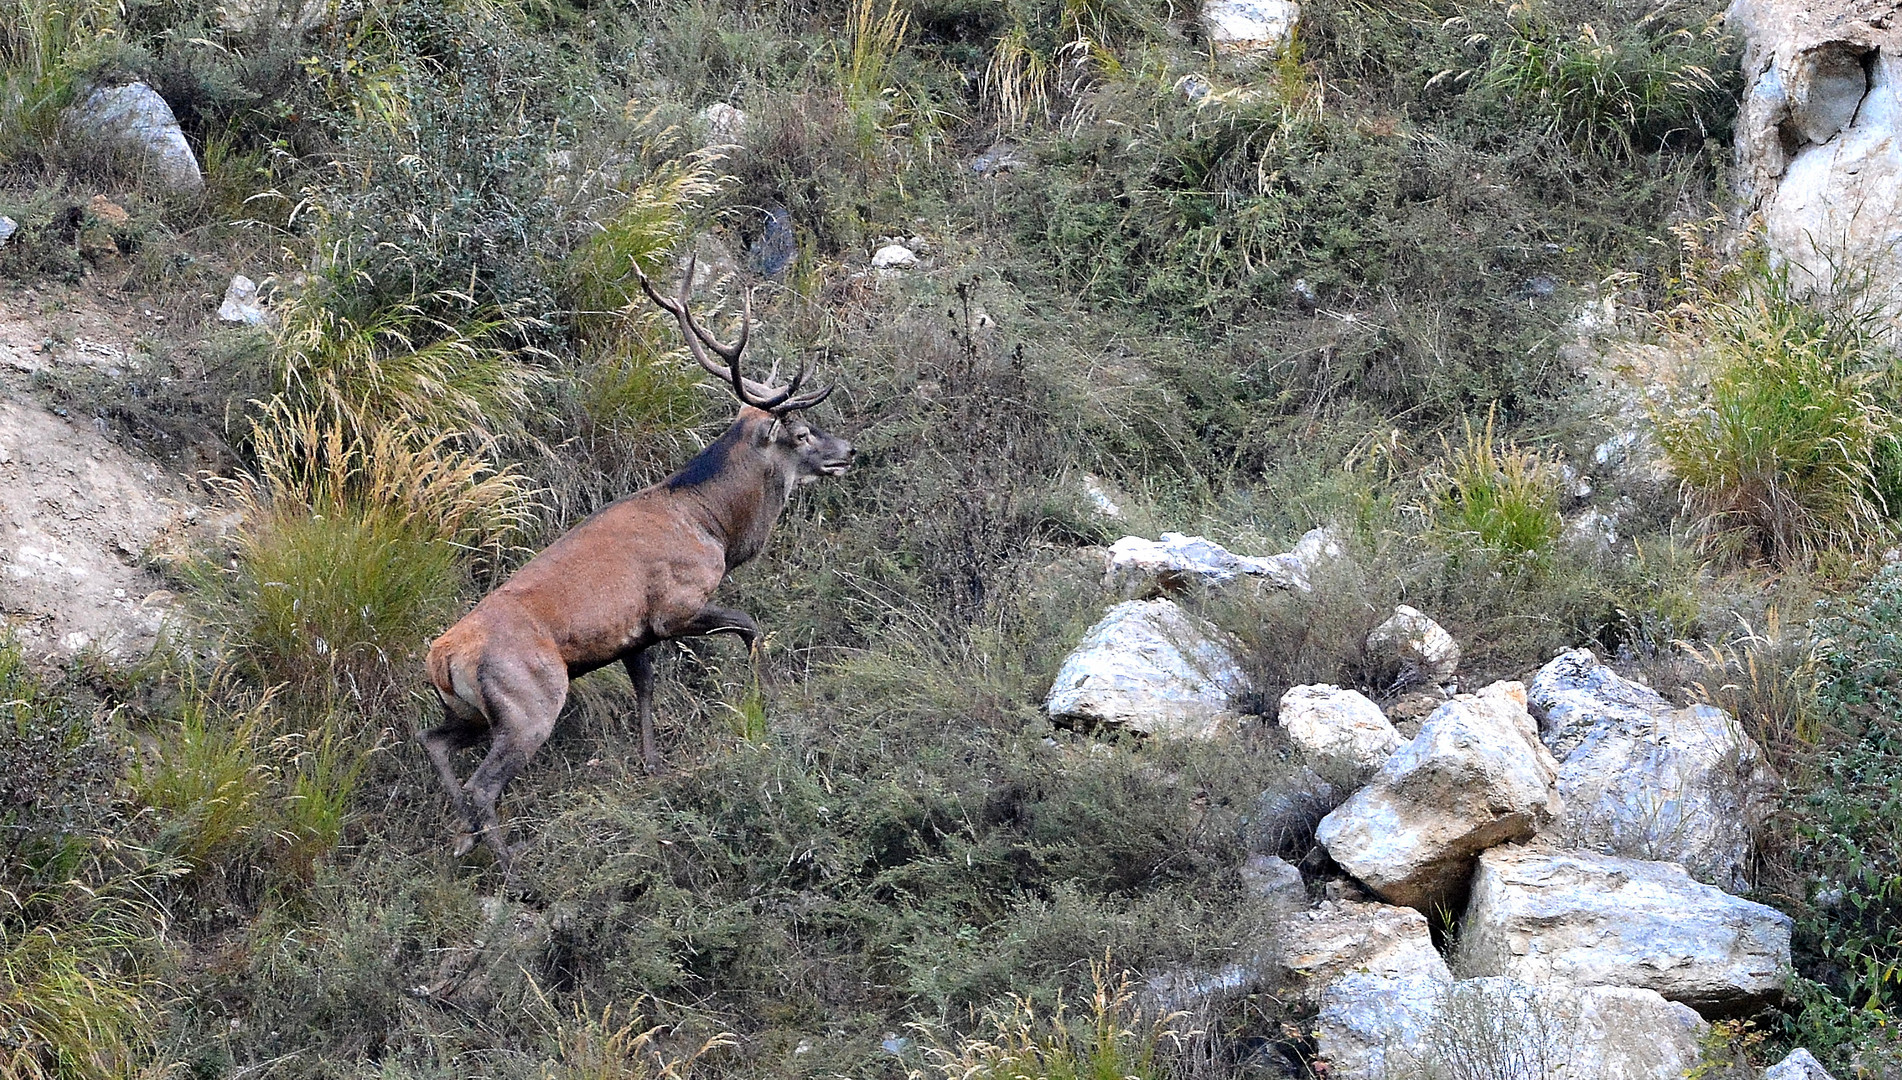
(742, 505)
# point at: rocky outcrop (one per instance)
(1339, 729)
(1584, 919)
(1817, 137)
(1644, 779)
(1474, 777)
(133, 123)
(1417, 648)
(1151, 668)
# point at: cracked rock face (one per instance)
(1817, 136)
(1645, 779)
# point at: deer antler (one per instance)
(778, 400)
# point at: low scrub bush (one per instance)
(1788, 453)
(1834, 856)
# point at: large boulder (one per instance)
(1151, 668)
(1645, 779)
(1338, 728)
(1476, 776)
(1542, 915)
(1418, 649)
(1374, 975)
(133, 123)
(1819, 137)
(1142, 567)
(1582, 1033)
(1338, 937)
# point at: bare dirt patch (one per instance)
(82, 521)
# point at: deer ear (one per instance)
(772, 432)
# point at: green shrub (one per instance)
(1786, 454)
(1835, 860)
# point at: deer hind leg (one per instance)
(522, 705)
(458, 731)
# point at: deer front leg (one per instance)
(640, 671)
(720, 620)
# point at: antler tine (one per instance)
(808, 400)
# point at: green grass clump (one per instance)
(81, 925)
(353, 553)
(1626, 89)
(1496, 495)
(1110, 1041)
(1788, 453)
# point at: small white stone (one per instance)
(894, 257)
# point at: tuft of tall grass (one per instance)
(874, 40)
(1112, 1041)
(410, 363)
(604, 270)
(352, 555)
(77, 1000)
(210, 783)
(39, 41)
(1790, 451)
(1492, 493)
(1628, 90)
(605, 1047)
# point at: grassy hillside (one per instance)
(1339, 286)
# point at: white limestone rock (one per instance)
(1541, 915)
(894, 257)
(241, 304)
(135, 123)
(1581, 1033)
(1273, 879)
(1422, 648)
(1175, 561)
(1799, 1065)
(1152, 668)
(1249, 27)
(1376, 978)
(1339, 728)
(1476, 776)
(1644, 779)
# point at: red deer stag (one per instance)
(638, 572)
